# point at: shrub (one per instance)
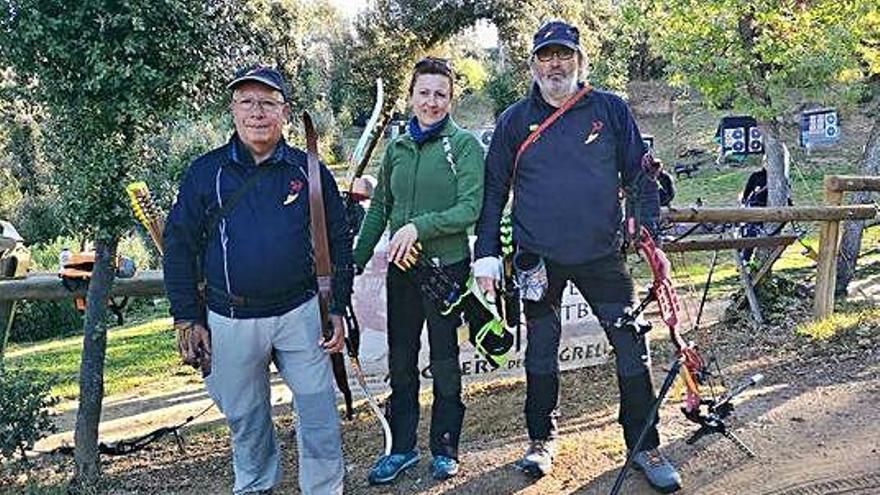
(40, 320)
(24, 411)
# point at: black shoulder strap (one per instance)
(218, 214)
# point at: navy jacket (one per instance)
(566, 205)
(262, 250)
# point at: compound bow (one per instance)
(709, 413)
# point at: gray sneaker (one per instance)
(538, 459)
(660, 472)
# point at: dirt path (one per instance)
(814, 423)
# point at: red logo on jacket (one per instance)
(595, 129)
(293, 191)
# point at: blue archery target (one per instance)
(756, 140)
(734, 139)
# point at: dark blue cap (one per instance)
(556, 33)
(261, 74)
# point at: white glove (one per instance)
(487, 271)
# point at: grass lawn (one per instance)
(143, 354)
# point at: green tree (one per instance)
(27, 193)
(630, 43)
(393, 34)
(760, 56)
(869, 51)
(110, 74)
(297, 36)
(472, 74)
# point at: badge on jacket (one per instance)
(293, 191)
(595, 129)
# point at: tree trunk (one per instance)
(851, 241)
(778, 188)
(91, 371)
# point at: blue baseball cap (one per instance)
(263, 75)
(556, 33)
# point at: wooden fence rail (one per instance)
(149, 283)
(48, 286)
(770, 214)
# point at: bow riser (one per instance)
(663, 291)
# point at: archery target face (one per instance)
(735, 139)
(820, 127)
(756, 140)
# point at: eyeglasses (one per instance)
(269, 106)
(561, 53)
(435, 64)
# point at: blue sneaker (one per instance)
(660, 472)
(443, 467)
(388, 467)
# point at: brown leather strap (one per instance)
(320, 246)
(531, 138)
(321, 250)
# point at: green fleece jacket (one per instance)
(440, 193)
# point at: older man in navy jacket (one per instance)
(240, 228)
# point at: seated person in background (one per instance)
(755, 192)
(754, 196)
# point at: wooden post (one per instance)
(7, 310)
(766, 265)
(748, 288)
(826, 270)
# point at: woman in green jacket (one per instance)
(430, 191)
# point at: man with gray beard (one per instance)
(565, 151)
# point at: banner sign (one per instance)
(583, 341)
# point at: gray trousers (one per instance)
(239, 385)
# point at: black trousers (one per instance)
(608, 289)
(408, 309)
